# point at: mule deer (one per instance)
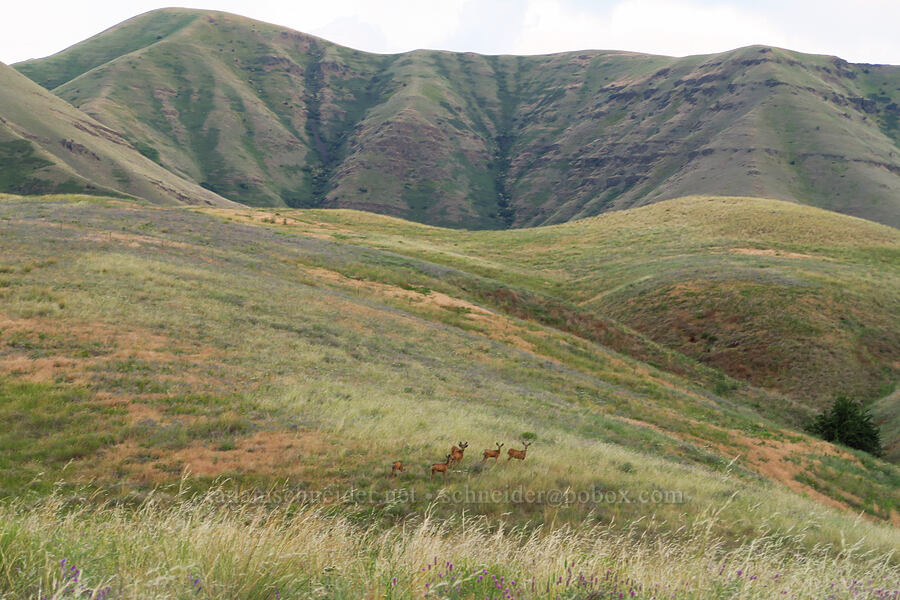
(441, 467)
(397, 467)
(519, 454)
(457, 452)
(495, 454)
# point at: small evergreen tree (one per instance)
(848, 423)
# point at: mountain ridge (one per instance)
(474, 141)
(48, 146)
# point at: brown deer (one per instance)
(519, 454)
(495, 454)
(397, 467)
(441, 467)
(457, 453)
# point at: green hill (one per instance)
(48, 146)
(277, 363)
(636, 263)
(784, 296)
(209, 321)
(792, 299)
(267, 116)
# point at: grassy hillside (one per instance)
(299, 353)
(267, 116)
(46, 145)
(786, 297)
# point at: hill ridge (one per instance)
(485, 141)
(48, 146)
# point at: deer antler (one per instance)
(457, 452)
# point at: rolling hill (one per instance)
(156, 311)
(784, 296)
(276, 362)
(267, 116)
(794, 300)
(48, 146)
(244, 270)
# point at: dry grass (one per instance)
(209, 547)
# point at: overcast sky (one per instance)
(858, 30)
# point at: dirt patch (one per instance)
(39, 370)
(271, 453)
(782, 461)
(131, 240)
(493, 325)
(134, 241)
(78, 352)
(316, 229)
(770, 252)
(139, 412)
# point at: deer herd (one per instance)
(456, 455)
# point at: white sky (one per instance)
(857, 30)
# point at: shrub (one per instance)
(848, 423)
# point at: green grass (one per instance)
(761, 289)
(226, 353)
(100, 49)
(19, 165)
(47, 427)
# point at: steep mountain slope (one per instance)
(268, 116)
(48, 146)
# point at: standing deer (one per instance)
(457, 452)
(495, 454)
(397, 467)
(519, 454)
(441, 467)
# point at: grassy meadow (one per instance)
(784, 296)
(207, 402)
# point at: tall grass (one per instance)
(166, 333)
(202, 547)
